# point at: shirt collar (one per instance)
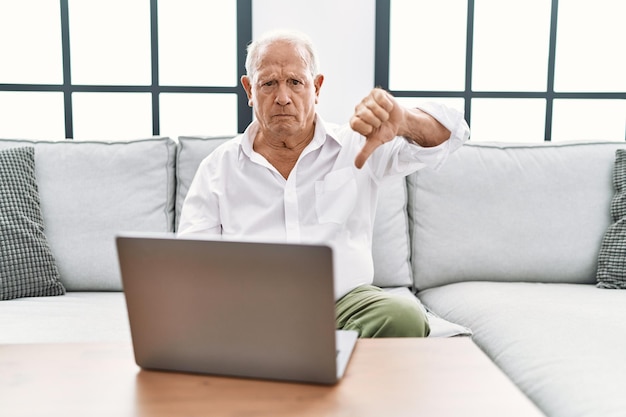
(247, 139)
(323, 131)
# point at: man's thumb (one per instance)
(370, 146)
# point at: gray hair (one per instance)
(295, 38)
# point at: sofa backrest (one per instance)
(90, 191)
(502, 212)
(492, 212)
(391, 234)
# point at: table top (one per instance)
(385, 377)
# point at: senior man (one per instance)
(293, 177)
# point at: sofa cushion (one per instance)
(391, 239)
(77, 317)
(192, 150)
(391, 235)
(612, 258)
(27, 266)
(90, 191)
(506, 212)
(562, 344)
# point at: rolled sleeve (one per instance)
(452, 120)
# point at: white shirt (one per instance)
(237, 193)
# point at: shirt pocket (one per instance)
(335, 196)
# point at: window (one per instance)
(522, 71)
(117, 69)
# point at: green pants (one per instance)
(376, 313)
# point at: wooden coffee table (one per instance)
(386, 377)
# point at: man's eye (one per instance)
(295, 82)
(268, 84)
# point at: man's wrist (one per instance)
(411, 125)
(422, 129)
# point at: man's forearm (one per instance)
(422, 128)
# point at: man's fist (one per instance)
(377, 117)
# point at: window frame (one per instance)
(381, 70)
(244, 36)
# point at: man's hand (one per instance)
(377, 117)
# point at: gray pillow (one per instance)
(27, 266)
(612, 257)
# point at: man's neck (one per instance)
(282, 151)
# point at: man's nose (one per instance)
(283, 95)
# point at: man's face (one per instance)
(282, 91)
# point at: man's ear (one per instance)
(317, 82)
(247, 86)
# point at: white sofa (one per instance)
(501, 244)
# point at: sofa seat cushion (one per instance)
(76, 317)
(562, 344)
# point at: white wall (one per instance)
(343, 33)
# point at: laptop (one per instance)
(235, 308)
